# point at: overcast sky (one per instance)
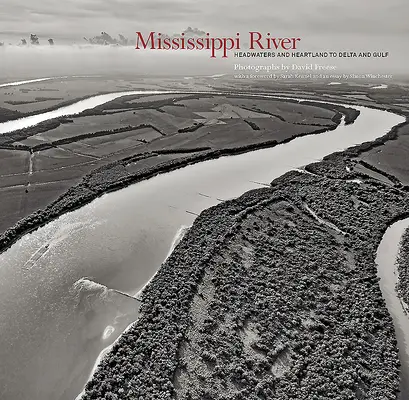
(73, 19)
(323, 25)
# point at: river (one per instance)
(72, 109)
(54, 323)
(386, 257)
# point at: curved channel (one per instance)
(72, 109)
(387, 254)
(19, 83)
(58, 281)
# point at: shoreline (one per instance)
(137, 296)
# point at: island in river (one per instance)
(270, 295)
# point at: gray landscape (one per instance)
(175, 227)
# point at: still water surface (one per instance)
(386, 257)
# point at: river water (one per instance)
(386, 257)
(54, 323)
(19, 83)
(72, 109)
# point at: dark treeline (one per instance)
(259, 110)
(252, 124)
(7, 115)
(349, 113)
(35, 100)
(192, 128)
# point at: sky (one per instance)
(72, 19)
(323, 25)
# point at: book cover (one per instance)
(204, 200)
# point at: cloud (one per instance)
(73, 19)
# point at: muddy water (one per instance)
(48, 343)
(386, 258)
